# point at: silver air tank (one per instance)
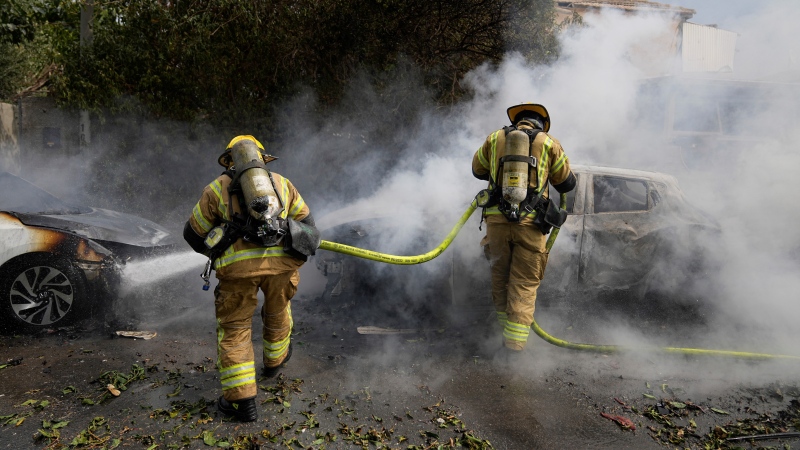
(259, 194)
(515, 173)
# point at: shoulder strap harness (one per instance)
(533, 197)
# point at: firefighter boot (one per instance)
(241, 410)
(507, 358)
(270, 372)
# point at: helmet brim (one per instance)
(538, 109)
(226, 161)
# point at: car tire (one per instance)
(40, 291)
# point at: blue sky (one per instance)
(720, 12)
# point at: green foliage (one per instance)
(25, 43)
(533, 30)
(19, 19)
(231, 62)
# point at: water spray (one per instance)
(156, 269)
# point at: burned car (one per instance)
(631, 236)
(58, 262)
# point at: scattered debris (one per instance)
(138, 334)
(97, 434)
(11, 362)
(50, 431)
(114, 380)
(381, 330)
(623, 422)
(762, 437)
(114, 391)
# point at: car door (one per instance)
(564, 261)
(617, 244)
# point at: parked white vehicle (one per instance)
(58, 261)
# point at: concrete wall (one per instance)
(9, 146)
(707, 49)
(46, 130)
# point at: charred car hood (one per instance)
(103, 225)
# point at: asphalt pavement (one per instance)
(440, 385)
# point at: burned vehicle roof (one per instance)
(632, 233)
(61, 262)
(668, 201)
(34, 206)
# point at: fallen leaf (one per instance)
(61, 424)
(208, 438)
(623, 422)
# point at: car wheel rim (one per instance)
(41, 295)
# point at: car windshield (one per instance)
(17, 195)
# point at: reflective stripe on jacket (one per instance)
(245, 259)
(551, 161)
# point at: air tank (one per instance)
(515, 173)
(259, 194)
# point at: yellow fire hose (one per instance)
(418, 259)
(402, 260)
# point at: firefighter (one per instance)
(516, 228)
(248, 255)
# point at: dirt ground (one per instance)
(440, 387)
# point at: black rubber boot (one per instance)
(271, 372)
(242, 410)
(506, 358)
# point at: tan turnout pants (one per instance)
(235, 304)
(517, 257)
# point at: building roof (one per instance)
(628, 5)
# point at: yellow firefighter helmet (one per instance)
(517, 112)
(225, 159)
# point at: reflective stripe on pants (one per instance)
(235, 303)
(517, 256)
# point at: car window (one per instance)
(554, 194)
(614, 194)
(20, 196)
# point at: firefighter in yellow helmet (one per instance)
(519, 161)
(257, 231)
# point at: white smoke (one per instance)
(592, 92)
(593, 95)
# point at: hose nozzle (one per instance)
(206, 275)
